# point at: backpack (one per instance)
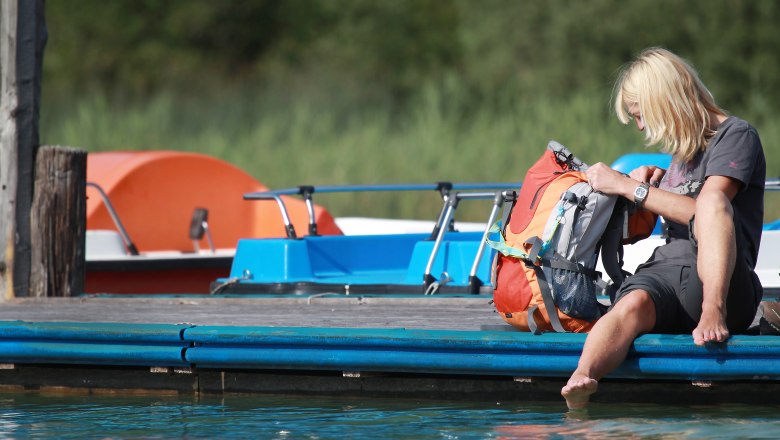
(549, 246)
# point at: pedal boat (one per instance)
(168, 222)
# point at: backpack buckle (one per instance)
(562, 158)
(582, 203)
(535, 254)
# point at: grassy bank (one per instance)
(290, 140)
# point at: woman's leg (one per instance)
(607, 345)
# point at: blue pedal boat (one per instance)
(443, 260)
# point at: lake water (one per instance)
(26, 415)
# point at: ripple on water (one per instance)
(287, 417)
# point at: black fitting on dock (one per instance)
(306, 190)
(474, 284)
(428, 279)
(444, 188)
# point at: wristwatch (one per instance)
(640, 194)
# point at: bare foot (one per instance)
(578, 390)
(711, 328)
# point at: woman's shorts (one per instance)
(677, 293)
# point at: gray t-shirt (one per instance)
(735, 151)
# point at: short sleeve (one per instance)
(735, 154)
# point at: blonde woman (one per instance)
(702, 281)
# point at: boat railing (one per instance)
(430, 283)
(115, 218)
(307, 193)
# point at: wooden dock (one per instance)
(423, 347)
(435, 313)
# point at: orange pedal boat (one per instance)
(169, 221)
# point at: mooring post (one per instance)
(58, 222)
(8, 143)
(23, 37)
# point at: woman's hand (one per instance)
(649, 174)
(608, 181)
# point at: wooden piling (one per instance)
(58, 222)
(8, 143)
(23, 37)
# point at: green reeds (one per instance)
(442, 134)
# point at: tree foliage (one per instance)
(377, 91)
(392, 49)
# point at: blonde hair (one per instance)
(674, 104)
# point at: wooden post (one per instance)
(58, 222)
(23, 37)
(8, 145)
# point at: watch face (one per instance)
(640, 192)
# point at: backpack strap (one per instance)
(571, 266)
(549, 304)
(537, 249)
(532, 323)
(501, 246)
(506, 215)
(612, 249)
(540, 247)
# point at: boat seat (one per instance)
(366, 259)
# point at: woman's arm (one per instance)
(673, 207)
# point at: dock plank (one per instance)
(436, 313)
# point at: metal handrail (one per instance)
(299, 190)
(307, 191)
(115, 218)
(288, 226)
(499, 197)
(498, 202)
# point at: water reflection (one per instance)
(293, 417)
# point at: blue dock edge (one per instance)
(396, 350)
(92, 343)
